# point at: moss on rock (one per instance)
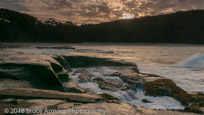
(194, 109)
(166, 87)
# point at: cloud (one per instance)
(96, 11)
(13, 5)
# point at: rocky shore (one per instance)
(49, 81)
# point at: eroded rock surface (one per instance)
(41, 71)
(105, 108)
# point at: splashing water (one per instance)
(195, 62)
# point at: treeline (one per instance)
(180, 27)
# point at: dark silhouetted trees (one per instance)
(180, 27)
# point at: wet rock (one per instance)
(72, 86)
(131, 95)
(131, 87)
(146, 101)
(197, 104)
(111, 86)
(98, 79)
(113, 74)
(194, 109)
(134, 80)
(107, 85)
(81, 71)
(166, 87)
(85, 76)
(115, 80)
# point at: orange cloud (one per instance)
(96, 11)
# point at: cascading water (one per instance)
(129, 96)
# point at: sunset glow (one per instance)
(127, 16)
(97, 11)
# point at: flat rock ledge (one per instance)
(27, 93)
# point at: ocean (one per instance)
(184, 64)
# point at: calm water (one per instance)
(184, 64)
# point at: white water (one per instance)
(195, 62)
(129, 96)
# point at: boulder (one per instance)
(166, 87)
(115, 80)
(134, 80)
(84, 76)
(113, 74)
(99, 79)
(106, 85)
(81, 71)
(109, 86)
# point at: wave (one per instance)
(196, 62)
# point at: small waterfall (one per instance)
(142, 83)
(131, 96)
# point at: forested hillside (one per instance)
(180, 27)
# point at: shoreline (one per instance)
(58, 70)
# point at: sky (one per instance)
(97, 11)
